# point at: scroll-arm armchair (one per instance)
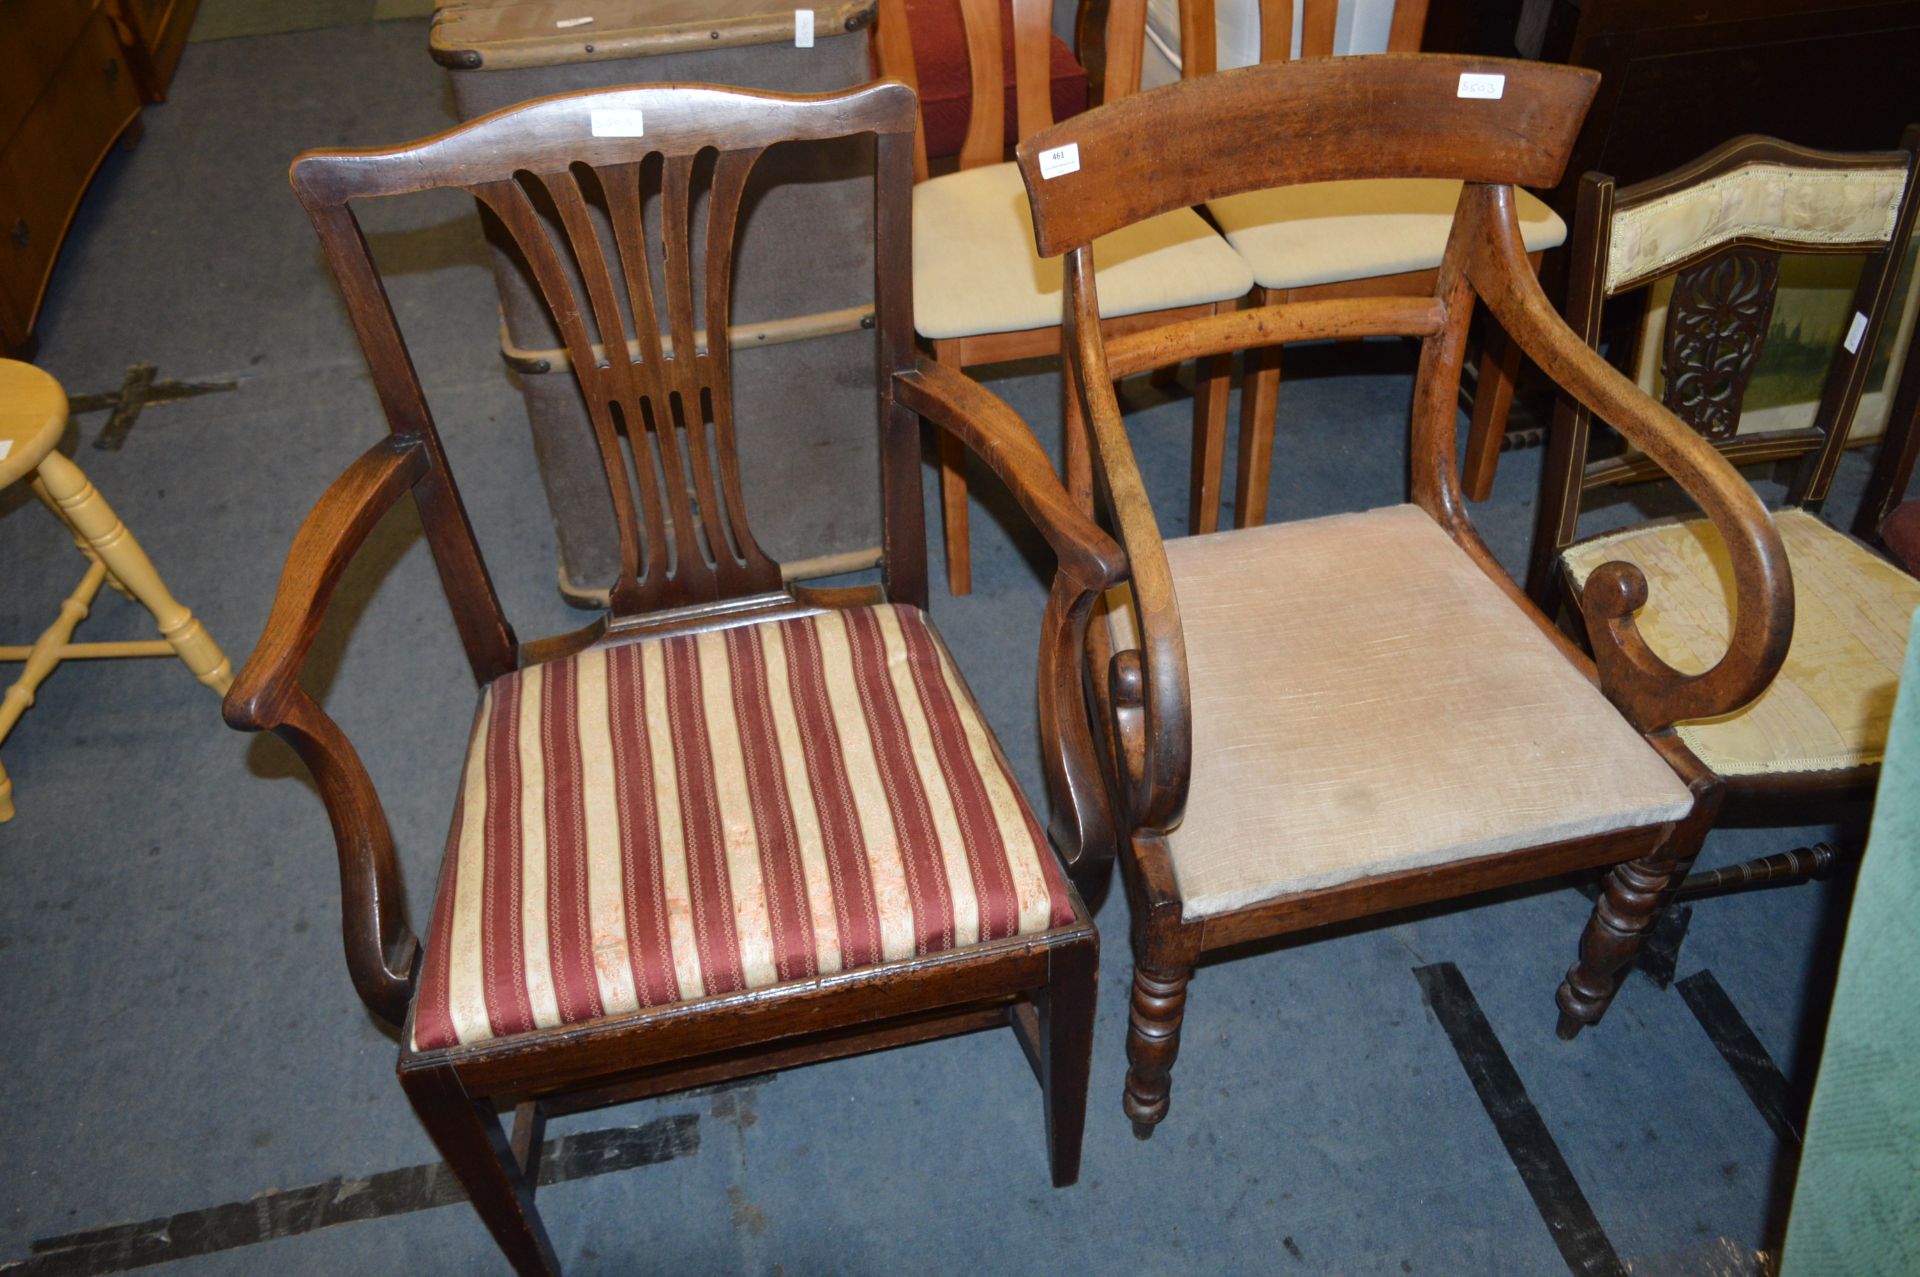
(1090, 562)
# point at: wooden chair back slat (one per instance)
(1317, 23)
(1391, 115)
(1276, 33)
(661, 409)
(1032, 32)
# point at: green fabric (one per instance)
(1856, 1208)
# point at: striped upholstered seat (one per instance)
(677, 818)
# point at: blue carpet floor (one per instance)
(181, 1035)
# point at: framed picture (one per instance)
(1810, 317)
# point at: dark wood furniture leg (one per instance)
(467, 1133)
(1635, 895)
(1153, 1041)
(1066, 1052)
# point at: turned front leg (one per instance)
(1631, 901)
(89, 515)
(1153, 1040)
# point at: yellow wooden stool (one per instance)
(33, 414)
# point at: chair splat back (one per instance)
(1718, 227)
(569, 179)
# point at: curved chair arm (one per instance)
(1151, 721)
(1651, 693)
(1089, 562)
(267, 695)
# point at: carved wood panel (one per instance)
(1716, 328)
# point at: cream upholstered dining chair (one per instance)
(1316, 721)
(1717, 229)
(1319, 240)
(982, 295)
(33, 415)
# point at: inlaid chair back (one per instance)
(1717, 229)
(638, 288)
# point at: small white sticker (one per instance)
(616, 122)
(1856, 332)
(1060, 161)
(6, 446)
(1481, 84)
(803, 28)
(564, 23)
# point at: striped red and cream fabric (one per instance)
(677, 818)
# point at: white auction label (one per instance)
(1481, 84)
(6, 446)
(617, 122)
(803, 28)
(1856, 332)
(1060, 161)
(564, 23)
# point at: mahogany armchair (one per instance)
(1717, 228)
(1316, 721)
(733, 825)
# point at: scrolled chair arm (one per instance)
(1651, 693)
(1089, 562)
(380, 947)
(1151, 722)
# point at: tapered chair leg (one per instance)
(1492, 403)
(1153, 1040)
(1634, 896)
(88, 514)
(1066, 1060)
(1211, 385)
(1259, 404)
(476, 1150)
(953, 493)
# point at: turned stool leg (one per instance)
(1633, 898)
(1153, 1040)
(41, 661)
(88, 513)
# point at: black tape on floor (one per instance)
(1549, 1180)
(1762, 1079)
(288, 1212)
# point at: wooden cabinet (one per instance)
(72, 77)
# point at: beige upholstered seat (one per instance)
(975, 269)
(1830, 704)
(1329, 232)
(1366, 700)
